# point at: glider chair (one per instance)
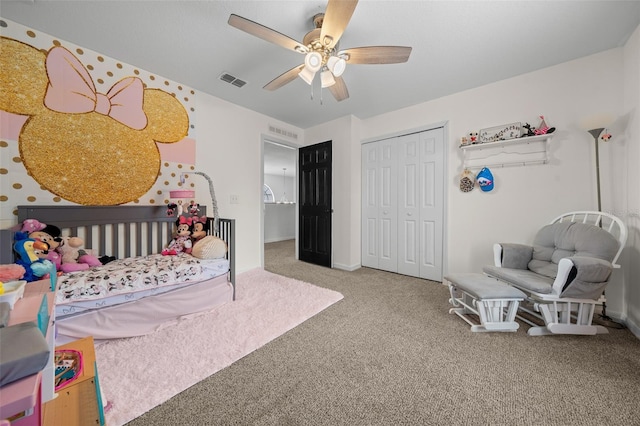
(564, 273)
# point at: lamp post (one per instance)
(596, 136)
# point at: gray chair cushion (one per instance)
(591, 277)
(484, 288)
(566, 239)
(521, 278)
(516, 256)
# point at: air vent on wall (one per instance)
(283, 132)
(228, 78)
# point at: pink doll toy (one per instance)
(181, 243)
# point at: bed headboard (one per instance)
(119, 231)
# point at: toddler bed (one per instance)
(140, 291)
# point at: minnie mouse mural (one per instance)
(85, 146)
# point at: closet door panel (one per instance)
(408, 204)
(388, 213)
(370, 205)
(431, 203)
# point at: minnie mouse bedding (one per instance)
(131, 279)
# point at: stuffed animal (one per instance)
(543, 128)
(12, 272)
(49, 234)
(199, 228)
(181, 243)
(194, 208)
(27, 251)
(73, 257)
(31, 225)
(530, 131)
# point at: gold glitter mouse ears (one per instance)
(95, 157)
(23, 77)
(32, 85)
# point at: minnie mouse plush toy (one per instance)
(181, 243)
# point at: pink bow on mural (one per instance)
(184, 220)
(71, 90)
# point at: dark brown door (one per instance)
(314, 203)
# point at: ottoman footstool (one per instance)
(494, 302)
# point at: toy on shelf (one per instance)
(543, 128)
(530, 131)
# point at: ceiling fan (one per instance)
(320, 49)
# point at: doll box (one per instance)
(13, 291)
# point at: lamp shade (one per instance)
(307, 75)
(327, 78)
(313, 61)
(182, 193)
(337, 65)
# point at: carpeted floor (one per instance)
(390, 354)
(139, 373)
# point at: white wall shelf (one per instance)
(514, 152)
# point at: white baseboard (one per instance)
(276, 239)
(346, 267)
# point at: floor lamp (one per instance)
(597, 135)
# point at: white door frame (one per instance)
(270, 139)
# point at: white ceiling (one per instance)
(457, 45)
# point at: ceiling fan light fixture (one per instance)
(327, 79)
(313, 61)
(337, 65)
(307, 75)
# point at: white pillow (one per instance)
(209, 247)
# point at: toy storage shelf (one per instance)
(514, 152)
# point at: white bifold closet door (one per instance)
(403, 204)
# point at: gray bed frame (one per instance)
(123, 231)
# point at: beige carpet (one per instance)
(390, 354)
(139, 373)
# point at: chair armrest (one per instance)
(514, 256)
(582, 277)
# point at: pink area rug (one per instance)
(140, 373)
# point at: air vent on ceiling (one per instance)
(228, 78)
(283, 132)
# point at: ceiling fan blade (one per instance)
(336, 19)
(339, 90)
(284, 78)
(266, 33)
(376, 55)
